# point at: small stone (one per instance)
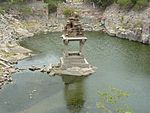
(10, 80)
(1, 79)
(5, 75)
(34, 90)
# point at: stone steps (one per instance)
(73, 57)
(74, 61)
(64, 66)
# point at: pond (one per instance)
(120, 63)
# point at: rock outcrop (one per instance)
(132, 25)
(11, 30)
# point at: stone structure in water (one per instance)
(73, 27)
(73, 62)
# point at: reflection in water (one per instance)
(74, 93)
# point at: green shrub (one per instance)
(68, 12)
(134, 1)
(1, 10)
(140, 4)
(25, 10)
(52, 5)
(125, 3)
(138, 23)
(16, 1)
(105, 3)
(112, 101)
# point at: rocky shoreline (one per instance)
(131, 25)
(11, 31)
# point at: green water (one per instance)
(120, 63)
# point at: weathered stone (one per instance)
(127, 24)
(73, 27)
(1, 79)
(10, 80)
(73, 62)
(33, 68)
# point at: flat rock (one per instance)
(74, 71)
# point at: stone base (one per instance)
(73, 61)
(73, 65)
(74, 71)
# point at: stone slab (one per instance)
(73, 38)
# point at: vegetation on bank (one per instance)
(68, 11)
(18, 5)
(52, 4)
(135, 4)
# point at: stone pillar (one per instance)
(66, 47)
(81, 44)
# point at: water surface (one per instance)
(121, 64)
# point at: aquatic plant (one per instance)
(111, 101)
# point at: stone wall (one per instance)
(132, 25)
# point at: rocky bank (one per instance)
(11, 31)
(128, 24)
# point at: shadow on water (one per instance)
(74, 93)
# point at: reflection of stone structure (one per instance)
(73, 27)
(74, 93)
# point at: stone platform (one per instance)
(75, 65)
(73, 61)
